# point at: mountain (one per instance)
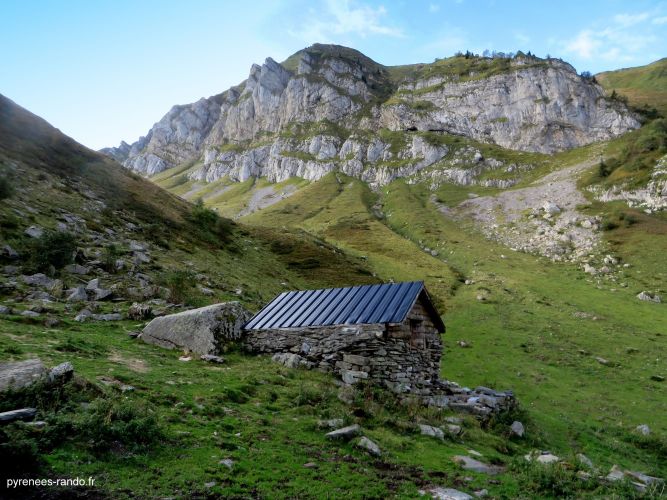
(548, 284)
(332, 108)
(643, 86)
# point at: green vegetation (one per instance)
(53, 249)
(645, 87)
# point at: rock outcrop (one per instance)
(206, 330)
(322, 110)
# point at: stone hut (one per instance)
(388, 334)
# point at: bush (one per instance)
(181, 285)
(210, 226)
(110, 423)
(110, 255)
(52, 249)
(6, 187)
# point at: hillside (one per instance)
(534, 264)
(643, 86)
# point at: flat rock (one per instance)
(38, 279)
(469, 463)
(212, 358)
(345, 433)
(429, 430)
(34, 231)
(21, 374)
(77, 269)
(366, 444)
(441, 493)
(7, 417)
(203, 331)
(544, 457)
(649, 297)
(331, 423)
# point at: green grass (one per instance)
(644, 86)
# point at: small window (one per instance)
(415, 324)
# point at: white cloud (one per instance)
(621, 40)
(626, 20)
(345, 17)
(434, 7)
(660, 20)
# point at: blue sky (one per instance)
(103, 70)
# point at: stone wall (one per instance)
(402, 357)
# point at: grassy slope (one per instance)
(643, 85)
(526, 336)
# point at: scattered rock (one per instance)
(78, 295)
(206, 291)
(8, 252)
(139, 312)
(550, 208)
(428, 430)
(441, 493)
(38, 424)
(543, 457)
(212, 358)
(21, 414)
(290, 360)
(134, 334)
(368, 445)
(649, 297)
(463, 343)
(615, 474)
(345, 433)
(517, 429)
(333, 423)
(227, 462)
(481, 493)
(602, 361)
(76, 269)
(310, 465)
(469, 463)
(34, 231)
(61, 373)
(185, 358)
(38, 279)
(584, 460)
(643, 429)
(657, 378)
(112, 382)
(5, 310)
(453, 429)
(30, 314)
(210, 484)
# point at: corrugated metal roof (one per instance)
(367, 304)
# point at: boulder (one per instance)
(34, 231)
(429, 430)
(78, 295)
(139, 312)
(7, 417)
(440, 493)
(368, 445)
(469, 463)
(61, 373)
(21, 374)
(517, 429)
(345, 433)
(290, 360)
(38, 279)
(649, 297)
(203, 331)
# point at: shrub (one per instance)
(111, 423)
(110, 255)
(52, 249)
(210, 226)
(6, 187)
(181, 284)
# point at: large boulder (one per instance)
(21, 374)
(204, 331)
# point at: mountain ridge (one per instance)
(309, 116)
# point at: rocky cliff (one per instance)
(330, 107)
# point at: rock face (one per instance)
(204, 331)
(322, 110)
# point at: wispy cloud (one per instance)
(660, 20)
(433, 7)
(521, 38)
(345, 17)
(622, 38)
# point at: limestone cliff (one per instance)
(330, 107)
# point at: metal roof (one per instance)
(366, 304)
